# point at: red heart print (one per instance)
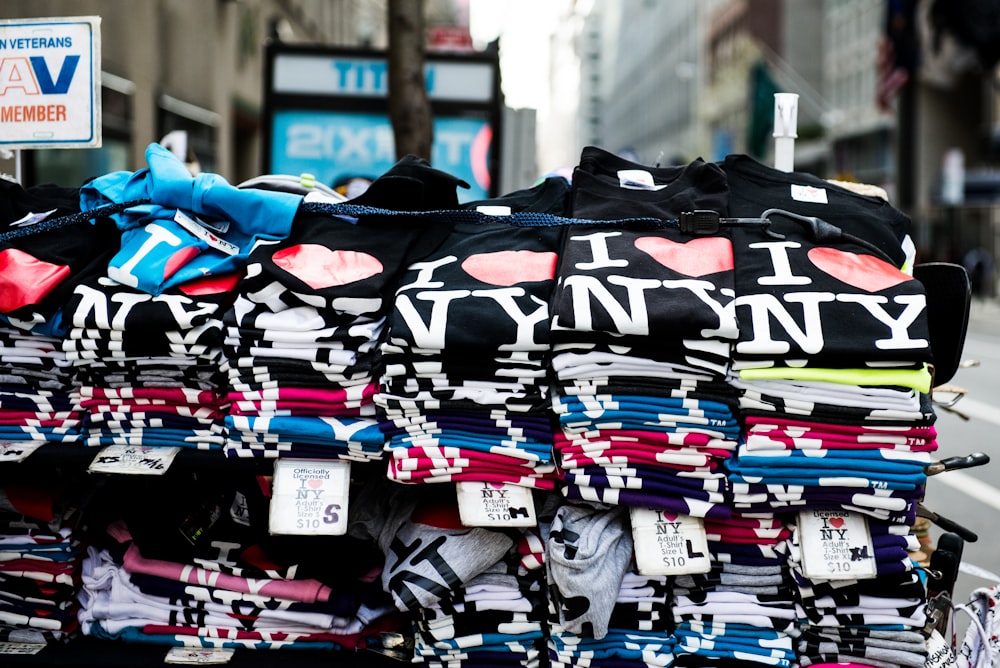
(24, 279)
(865, 272)
(670, 517)
(321, 267)
(508, 268)
(697, 257)
(836, 522)
(315, 483)
(179, 259)
(211, 285)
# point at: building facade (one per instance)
(677, 80)
(642, 77)
(170, 65)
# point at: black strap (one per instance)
(72, 219)
(456, 216)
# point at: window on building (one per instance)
(72, 167)
(200, 124)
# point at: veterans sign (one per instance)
(50, 82)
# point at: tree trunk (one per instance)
(409, 106)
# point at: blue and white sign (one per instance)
(357, 76)
(50, 87)
(326, 114)
(331, 145)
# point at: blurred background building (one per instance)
(195, 66)
(899, 94)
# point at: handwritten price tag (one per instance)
(939, 654)
(835, 545)
(188, 656)
(134, 459)
(16, 451)
(669, 543)
(21, 647)
(309, 497)
(484, 504)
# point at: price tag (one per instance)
(16, 451)
(810, 194)
(21, 647)
(309, 497)
(939, 654)
(489, 504)
(191, 655)
(395, 646)
(669, 543)
(240, 509)
(134, 459)
(493, 210)
(835, 545)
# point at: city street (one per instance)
(971, 497)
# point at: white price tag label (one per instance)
(30, 219)
(835, 545)
(202, 231)
(637, 179)
(669, 543)
(493, 210)
(21, 647)
(939, 654)
(811, 194)
(16, 451)
(134, 459)
(189, 655)
(489, 504)
(309, 497)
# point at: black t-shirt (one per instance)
(40, 270)
(755, 188)
(608, 187)
(550, 196)
(837, 305)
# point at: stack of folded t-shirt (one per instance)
(602, 611)
(871, 621)
(497, 618)
(790, 462)
(40, 269)
(303, 338)
(216, 578)
(743, 608)
(301, 347)
(641, 330)
(833, 344)
(40, 557)
(147, 336)
(35, 387)
(475, 595)
(832, 368)
(147, 366)
(465, 391)
(833, 341)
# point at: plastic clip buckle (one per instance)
(700, 222)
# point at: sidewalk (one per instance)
(984, 316)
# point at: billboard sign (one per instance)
(334, 145)
(326, 114)
(50, 83)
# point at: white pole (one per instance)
(786, 119)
